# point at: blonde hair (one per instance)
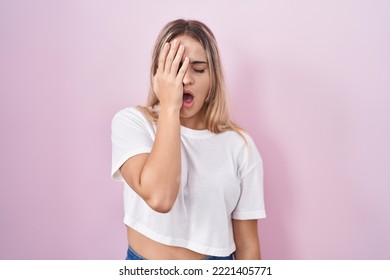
(215, 110)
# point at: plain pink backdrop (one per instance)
(310, 80)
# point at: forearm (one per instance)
(246, 239)
(247, 254)
(160, 177)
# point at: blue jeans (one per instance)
(131, 255)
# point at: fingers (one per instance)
(173, 53)
(162, 57)
(183, 69)
(168, 81)
(177, 61)
(170, 58)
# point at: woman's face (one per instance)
(196, 83)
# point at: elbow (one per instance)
(162, 209)
(161, 199)
(160, 204)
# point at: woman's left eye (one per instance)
(199, 70)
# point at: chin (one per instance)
(189, 113)
(186, 115)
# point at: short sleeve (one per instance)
(131, 134)
(251, 202)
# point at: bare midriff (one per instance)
(152, 250)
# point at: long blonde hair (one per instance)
(215, 110)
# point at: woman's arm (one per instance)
(156, 176)
(246, 239)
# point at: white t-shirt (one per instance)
(221, 180)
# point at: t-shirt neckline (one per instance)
(195, 133)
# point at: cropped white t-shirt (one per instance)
(221, 180)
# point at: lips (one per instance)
(188, 98)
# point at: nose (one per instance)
(188, 79)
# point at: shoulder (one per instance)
(240, 139)
(128, 113)
(129, 121)
(128, 116)
(244, 149)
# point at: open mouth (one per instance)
(187, 98)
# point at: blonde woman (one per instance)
(193, 179)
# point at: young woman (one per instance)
(193, 179)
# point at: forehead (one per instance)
(194, 49)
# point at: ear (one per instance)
(154, 83)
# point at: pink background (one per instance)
(308, 79)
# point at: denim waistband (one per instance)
(230, 257)
(132, 255)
